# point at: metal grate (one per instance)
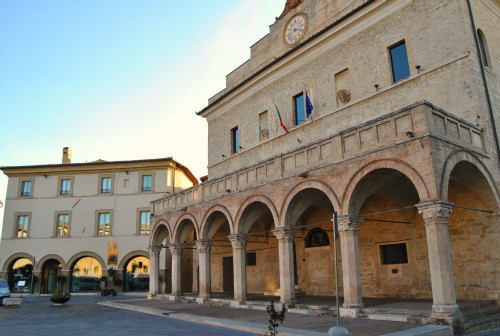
(392, 254)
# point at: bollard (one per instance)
(338, 331)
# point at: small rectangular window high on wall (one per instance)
(147, 183)
(392, 254)
(65, 187)
(251, 259)
(26, 188)
(299, 107)
(399, 62)
(106, 185)
(235, 140)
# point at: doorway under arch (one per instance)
(50, 271)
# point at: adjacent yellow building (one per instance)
(72, 222)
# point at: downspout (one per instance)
(483, 75)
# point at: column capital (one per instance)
(349, 225)
(284, 234)
(175, 249)
(435, 212)
(154, 250)
(204, 245)
(238, 241)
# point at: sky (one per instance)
(117, 79)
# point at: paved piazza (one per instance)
(81, 316)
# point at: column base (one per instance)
(447, 315)
(203, 298)
(350, 310)
(237, 303)
(289, 303)
(174, 297)
(152, 295)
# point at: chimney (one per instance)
(67, 153)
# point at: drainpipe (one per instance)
(483, 75)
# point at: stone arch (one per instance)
(402, 167)
(179, 225)
(216, 208)
(84, 254)
(42, 261)
(318, 185)
(16, 256)
(463, 156)
(255, 199)
(131, 255)
(158, 233)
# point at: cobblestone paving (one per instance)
(356, 327)
(80, 316)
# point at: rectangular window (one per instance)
(392, 254)
(62, 228)
(147, 183)
(399, 62)
(26, 188)
(300, 114)
(252, 259)
(23, 224)
(105, 185)
(235, 140)
(104, 224)
(65, 187)
(144, 224)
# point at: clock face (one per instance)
(295, 29)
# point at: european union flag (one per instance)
(309, 106)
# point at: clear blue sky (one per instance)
(117, 79)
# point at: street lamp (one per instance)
(337, 330)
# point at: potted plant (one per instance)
(59, 297)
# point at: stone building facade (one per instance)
(401, 145)
(65, 225)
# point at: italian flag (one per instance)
(281, 120)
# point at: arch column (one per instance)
(444, 308)
(154, 263)
(239, 243)
(351, 272)
(203, 247)
(287, 268)
(176, 252)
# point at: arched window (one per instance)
(483, 46)
(317, 237)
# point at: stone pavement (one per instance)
(256, 320)
(137, 315)
(81, 316)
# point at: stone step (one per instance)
(396, 311)
(481, 312)
(396, 318)
(482, 323)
